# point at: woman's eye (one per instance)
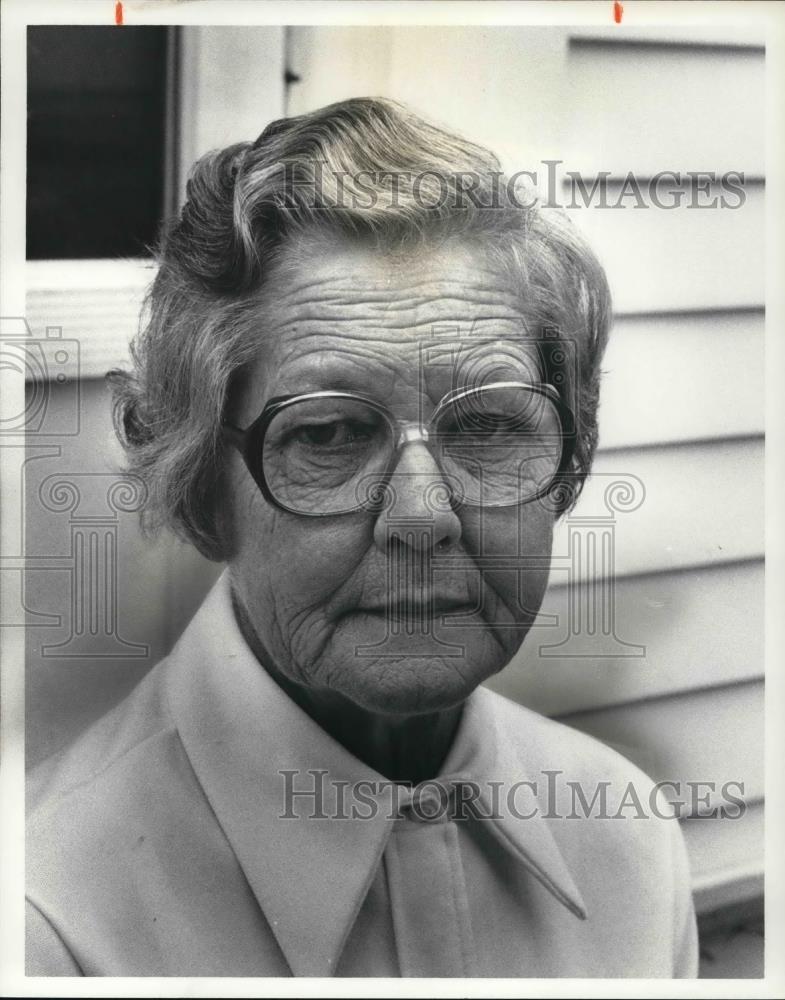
(484, 424)
(330, 435)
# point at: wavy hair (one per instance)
(328, 173)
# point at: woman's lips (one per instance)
(420, 610)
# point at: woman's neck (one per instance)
(401, 748)
(405, 748)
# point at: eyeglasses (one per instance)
(326, 453)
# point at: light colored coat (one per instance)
(159, 844)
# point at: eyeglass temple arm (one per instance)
(234, 434)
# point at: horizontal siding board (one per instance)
(678, 259)
(726, 858)
(713, 735)
(698, 629)
(683, 377)
(700, 504)
(724, 843)
(703, 106)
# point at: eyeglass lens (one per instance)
(494, 446)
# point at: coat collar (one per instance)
(241, 732)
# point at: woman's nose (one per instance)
(418, 511)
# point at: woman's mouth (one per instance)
(419, 609)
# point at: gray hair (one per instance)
(328, 173)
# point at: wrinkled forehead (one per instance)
(422, 323)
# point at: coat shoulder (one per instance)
(547, 745)
(140, 717)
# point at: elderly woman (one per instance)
(368, 383)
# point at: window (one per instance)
(97, 106)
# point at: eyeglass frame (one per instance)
(249, 441)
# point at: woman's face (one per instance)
(407, 610)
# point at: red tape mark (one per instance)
(618, 10)
(118, 13)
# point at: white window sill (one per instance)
(95, 302)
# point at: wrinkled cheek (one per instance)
(311, 560)
(512, 549)
(289, 570)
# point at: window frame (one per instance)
(98, 301)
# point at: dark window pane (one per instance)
(95, 140)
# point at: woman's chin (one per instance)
(411, 671)
(413, 684)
